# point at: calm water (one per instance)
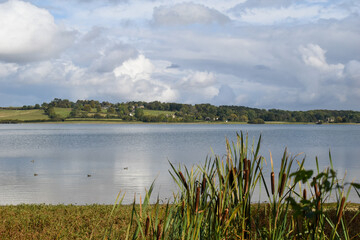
(129, 157)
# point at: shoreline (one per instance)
(116, 121)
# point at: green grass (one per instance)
(62, 112)
(23, 115)
(157, 113)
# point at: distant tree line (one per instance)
(134, 111)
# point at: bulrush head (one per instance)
(197, 200)
(272, 176)
(231, 177)
(183, 180)
(246, 183)
(245, 164)
(225, 215)
(317, 192)
(203, 184)
(341, 210)
(304, 194)
(147, 225)
(282, 185)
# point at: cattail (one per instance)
(183, 180)
(317, 192)
(203, 184)
(231, 177)
(245, 164)
(304, 194)
(159, 228)
(272, 183)
(246, 187)
(225, 215)
(282, 186)
(318, 206)
(147, 225)
(182, 207)
(249, 164)
(197, 200)
(341, 210)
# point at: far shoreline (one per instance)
(14, 121)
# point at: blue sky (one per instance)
(286, 54)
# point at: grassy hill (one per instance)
(157, 112)
(62, 112)
(23, 115)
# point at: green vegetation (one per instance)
(22, 115)
(216, 201)
(158, 112)
(61, 110)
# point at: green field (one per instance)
(62, 112)
(157, 113)
(23, 115)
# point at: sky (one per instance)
(284, 54)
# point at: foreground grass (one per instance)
(93, 221)
(62, 221)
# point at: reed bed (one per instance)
(217, 201)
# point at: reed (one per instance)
(215, 200)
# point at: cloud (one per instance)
(95, 51)
(352, 73)
(226, 96)
(299, 12)
(313, 55)
(267, 54)
(29, 33)
(199, 84)
(186, 14)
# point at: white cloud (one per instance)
(313, 55)
(135, 81)
(187, 13)
(200, 83)
(29, 33)
(135, 69)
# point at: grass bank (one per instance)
(30, 221)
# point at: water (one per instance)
(128, 157)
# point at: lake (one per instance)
(91, 163)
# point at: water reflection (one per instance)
(130, 157)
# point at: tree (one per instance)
(139, 113)
(111, 110)
(87, 108)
